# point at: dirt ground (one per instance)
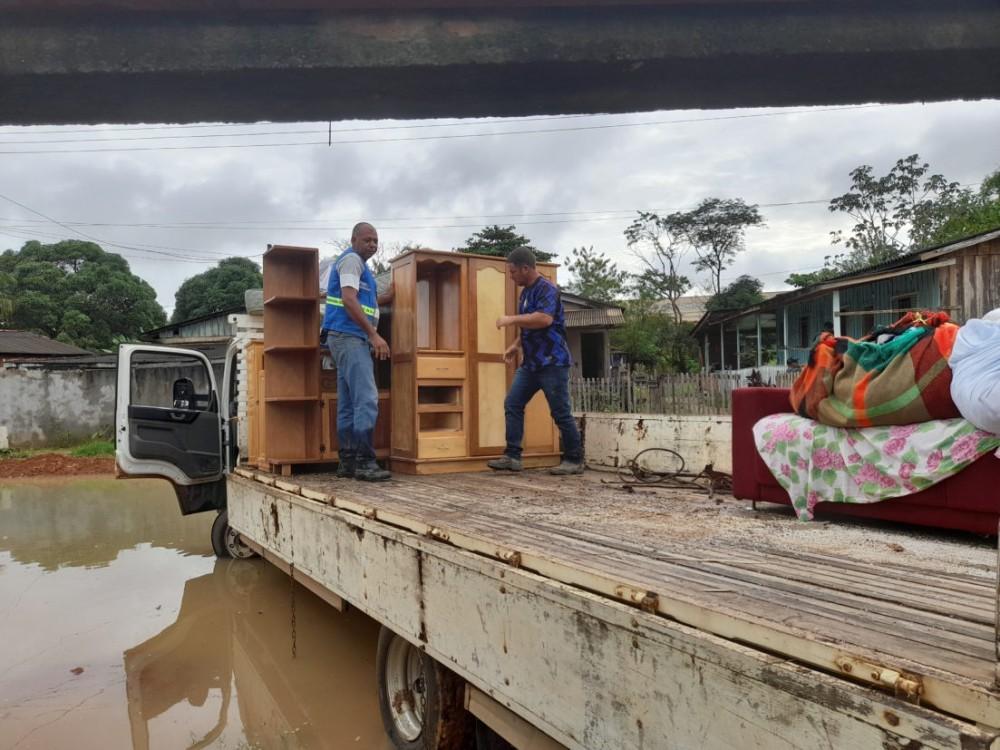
(54, 464)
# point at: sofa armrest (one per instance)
(750, 405)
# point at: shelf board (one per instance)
(440, 432)
(278, 251)
(291, 399)
(289, 299)
(283, 348)
(439, 408)
(440, 352)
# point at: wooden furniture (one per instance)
(328, 397)
(449, 379)
(292, 417)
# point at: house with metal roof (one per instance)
(961, 278)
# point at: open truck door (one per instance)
(169, 423)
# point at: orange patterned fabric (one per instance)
(906, 380)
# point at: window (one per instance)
(804, 331)
(903, 303)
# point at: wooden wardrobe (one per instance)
(449, 379)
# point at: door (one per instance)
(168, 423)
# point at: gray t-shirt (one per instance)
(350, 268)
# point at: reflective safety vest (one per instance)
(336, 317)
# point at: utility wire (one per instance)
(454, 136)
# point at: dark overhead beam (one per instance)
(307, 65)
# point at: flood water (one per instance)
(120, 629)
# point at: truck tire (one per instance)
(421, 702)
(226, 542)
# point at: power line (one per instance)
(362, 141)
(257, 225)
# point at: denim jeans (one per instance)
(357, 397)
(553, 381)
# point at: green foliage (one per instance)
(661, 250)
(654, 342)
(904, 208)
(968, 213)
(814, 277)
(716, 230)
(744, 292)
(595, 276)
(75, 292)
(216, 289)
(498, 241)
(94, 448)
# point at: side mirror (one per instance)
(183, 394)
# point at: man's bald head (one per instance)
(364, 239)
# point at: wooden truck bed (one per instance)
(910, 614)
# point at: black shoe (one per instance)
(345, 469)
(371, 473)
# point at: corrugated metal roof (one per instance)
(25, 343)
(605, 317)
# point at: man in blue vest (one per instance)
(545, 364)
(351, 322)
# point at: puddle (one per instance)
(120, 629)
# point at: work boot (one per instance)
(566, 468)
(505, 463)
(371, 472)
(345, 469)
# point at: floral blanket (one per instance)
(816, 463)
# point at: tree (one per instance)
(75, 292)
(653, 341)
(716, 230)
(217, 288)
(813, 277)
(498, 241)
(900, 209)
(660, 249)
(744, 292)
(968, 213)
(595, 276)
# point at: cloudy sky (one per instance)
(176, 199)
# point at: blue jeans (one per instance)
(553, 381)
(357, 397)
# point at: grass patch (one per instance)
(13, 453)
(94, 448)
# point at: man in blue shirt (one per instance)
(545, 364)
(351, 321)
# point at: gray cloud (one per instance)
(400, 185)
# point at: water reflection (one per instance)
(119, 634)
(87, 522)
(234, 634)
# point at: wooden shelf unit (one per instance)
(449, 378)
(292, 406)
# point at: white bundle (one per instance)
(975, 371)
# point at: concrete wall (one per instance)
(612, 440)
(45, 406)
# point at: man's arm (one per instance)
(526, 320)
(388, 295)
(353, 307)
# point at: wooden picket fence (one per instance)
(691, 394)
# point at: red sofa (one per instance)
(968, 501)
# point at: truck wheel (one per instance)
(422, 704)
(226, 542)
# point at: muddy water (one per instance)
(120, 629)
